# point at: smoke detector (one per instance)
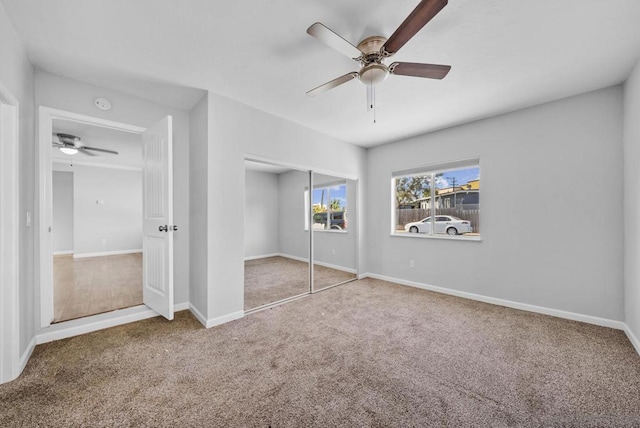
(103, 104)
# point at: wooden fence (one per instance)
(404, 216)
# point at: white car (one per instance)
(444, 224)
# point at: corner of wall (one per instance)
(631, 158)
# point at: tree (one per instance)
(335, 204)
(408, 189)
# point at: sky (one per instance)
(334, 192)
(462, 176)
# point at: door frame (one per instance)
(46, 116)
(10, 233)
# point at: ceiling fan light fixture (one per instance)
(68, 150)
(373, 74)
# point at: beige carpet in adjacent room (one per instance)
(368, 353)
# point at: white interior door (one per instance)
(157, 211)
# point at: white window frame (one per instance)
(431, 171)
(328, 186)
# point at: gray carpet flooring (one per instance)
(271, 279)
(368, 353)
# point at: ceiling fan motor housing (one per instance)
(373, 70)
(373, 74)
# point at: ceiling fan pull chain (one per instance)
(373, 101)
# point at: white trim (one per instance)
(632, 338)
(95, 164)
(43, 244)
(336, 267)
(307, 168)
(196, 313)
(62, 253)
(181, 307)
(444, 237)
(264, 256)
(329, 265)
(438, 167)
(224, 319)
(589, 319)
(24, 358)
(105, 253)
(292, 257)
(208, 323)
(93, 323)
(9, 236)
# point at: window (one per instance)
(330, 206)
(441, 200)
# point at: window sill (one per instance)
(328, 231)
(472, 238)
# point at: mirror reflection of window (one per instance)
(334, 239)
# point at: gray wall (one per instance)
(261, 220)
(293, 240)
(551, 207)
(62, 208)
(198, 205)
(16, 74)
(632, 200)
(74, 96)
(236, 131)
(116, 223)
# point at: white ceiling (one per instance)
(505, 55)
(128, 145)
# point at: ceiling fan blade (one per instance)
(95, 149)
(57, 143)
(416, 69)
(86, 152)
(333, 40)
(417, 19)
(332, 84)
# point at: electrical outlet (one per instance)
(412, 264)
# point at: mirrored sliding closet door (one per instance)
(276, 242)
(334, 230)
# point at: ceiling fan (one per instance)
(372, 52)
(70, 145)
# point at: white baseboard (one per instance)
(208, 323)
(105, 253)
(62, 253)
(264, 256)
(328, 265)
(24, 358)
(93, 323)
(196, 313)
(181, 307)
(632, 338)
(289, 256)
(224, 319)
(604, 322)
(336, 267)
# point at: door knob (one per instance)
(174, 228)
(163, 228)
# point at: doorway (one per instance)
(153, 247)
(96, 219)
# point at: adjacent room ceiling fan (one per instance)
(70, 145)
(372, 52)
